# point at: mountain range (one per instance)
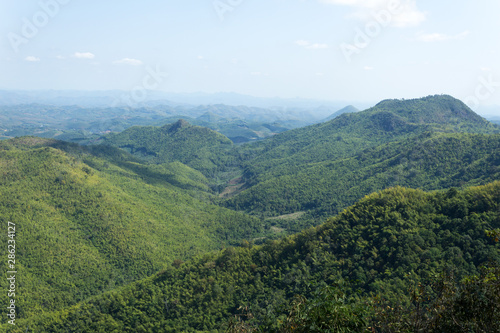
(175, 227)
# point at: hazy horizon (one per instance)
(331, 50)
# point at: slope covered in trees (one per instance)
(351, 133)
(87, 224)
(198, 147)
(438, 110)
(385, 243)
(429, 161)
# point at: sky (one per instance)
(360, 50)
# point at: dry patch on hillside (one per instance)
(234, 187)
(292, 216)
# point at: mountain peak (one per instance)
(210, 117)
(347, 109)
(437, 109)
(178, 125)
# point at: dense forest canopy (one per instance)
(383, 245)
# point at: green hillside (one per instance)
(87, 224)
(429, 161)
(198, 147)
(351, 133)
(437, 110)
(385, 243)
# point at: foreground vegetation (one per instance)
(385, 244)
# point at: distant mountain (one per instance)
(259, 115)
(210, 117)
(118, 98)
(236, 99)
(198, 147)
(347, 109)
(52, 121)
(85, 124)
(237, 130)
(495, 120)
(386, 244)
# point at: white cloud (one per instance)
(84, 55)
(259, 74)
(309, 45)
(437, 37)
(408, 15)
(200, 57)
(302, 43)
(403, 13)
(128, 61)
(60, 57)
(32, 59)
(368, 68)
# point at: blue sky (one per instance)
(323, 49)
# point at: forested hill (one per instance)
(385, 243)
(438, 110)
(429, 161)
(352, 132)
(102, 219)
(87, 224)
(198, 147)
